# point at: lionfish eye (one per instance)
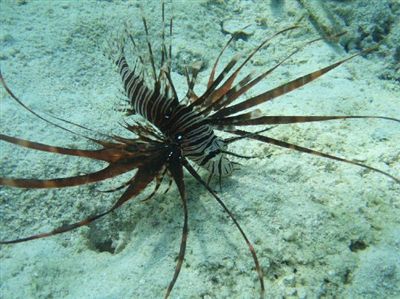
(178, 137)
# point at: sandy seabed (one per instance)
(321, 229)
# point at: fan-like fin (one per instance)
(159, 180)
(282, 89)
(214, 85)
(140, 181)
(249, 81)
(218, 94)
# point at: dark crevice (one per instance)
(105, 245)
(356, 245)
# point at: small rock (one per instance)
(289, 280)
(289, 236)
(6, 39)
(21, 2)
(381, 134)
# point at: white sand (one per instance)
(301, 212)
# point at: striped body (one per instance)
(178, 123)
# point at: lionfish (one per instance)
(178, 134)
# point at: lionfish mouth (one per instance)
(180, 134)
